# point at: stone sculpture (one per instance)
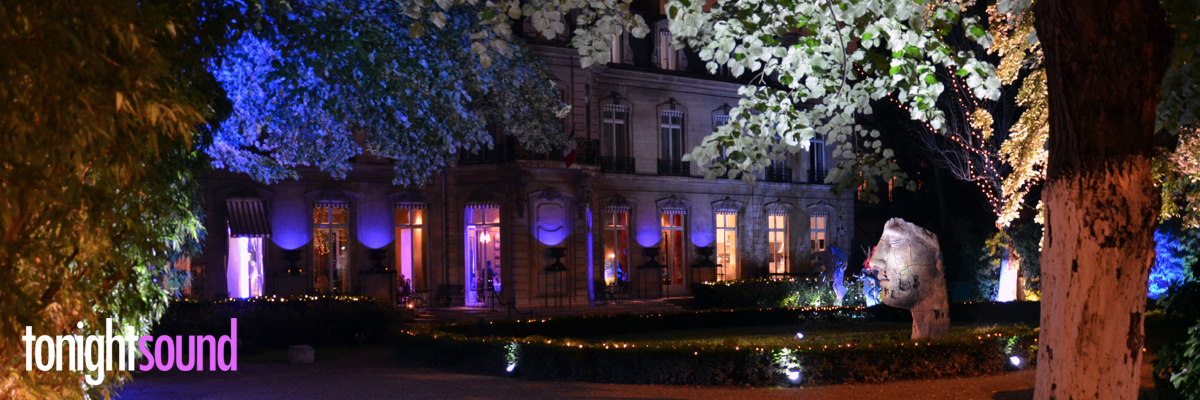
(831, 264)
(911, 276)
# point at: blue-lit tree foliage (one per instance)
(320, 71)
(1174, 257)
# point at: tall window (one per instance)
(247, 226)
(244, 275)
(777, 242)
(667, 58)
(613, 131)
(616, 247)
(616, 53)
(816, 160)
(331, 248)
(482, 253)
(672, 248)
(671, 124)
(410, 246)
(817, 232)
(727, 246)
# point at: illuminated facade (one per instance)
(510, 226)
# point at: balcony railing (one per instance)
(674, 167)
(620, 165)
(816, 175)
(483, 156)
(587, 151)
(778, 174)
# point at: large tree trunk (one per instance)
(1105, 61)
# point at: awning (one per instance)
(406, 205)
(483, 204)
(616, 205)
(726, 206)
(248, 218)
(331, 204)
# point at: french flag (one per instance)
(569, 150)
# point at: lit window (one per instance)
(672, 248)
(616, 248)
(483, 270)
(671, 124)
(410, 246)
(777, 242)
(817, 231)
(614, 135)
(727, 254)
(331, 248)
(245, 270)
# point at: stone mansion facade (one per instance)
(507, 226)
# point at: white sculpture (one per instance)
(911, 276)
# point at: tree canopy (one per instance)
(320, 71)
(97, 196)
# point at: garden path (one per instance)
(371, 374)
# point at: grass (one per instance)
(828, 333)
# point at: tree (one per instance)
(1103, 71)
(97, 147)
(320, 71)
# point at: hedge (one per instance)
(759, 293)
(273, 322)
(492, 347)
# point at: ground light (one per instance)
(1016, 361)
(799, 336)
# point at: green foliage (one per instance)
(1178, 364)
(485, 348)
(808, 292)
(97, 197)
(270, 322)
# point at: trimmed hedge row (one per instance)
(580, 326)
(761, 293)
(492, 347)
(272, 322)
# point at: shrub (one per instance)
(809, 292)
(492, 347)
(1177, 325)
(273, 322)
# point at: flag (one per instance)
(569, 150)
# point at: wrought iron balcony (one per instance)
(620, 165)
(674, 167)
(817, 175)
(778, 174)
(587, 151)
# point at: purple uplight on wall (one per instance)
(290, 217)
(703, 238)
(376, 225)
(552, 226)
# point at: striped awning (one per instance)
(617, 205)
(408, 205)
(331, 204)
(248, 218)
(673, 205)
(483, 204)
(777, 211)
(726, 206)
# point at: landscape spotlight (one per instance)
(799, 336)
(793, 375)
(1016, 361)
(510, 368)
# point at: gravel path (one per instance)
(371, 375)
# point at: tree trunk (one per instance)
(1105, 61)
